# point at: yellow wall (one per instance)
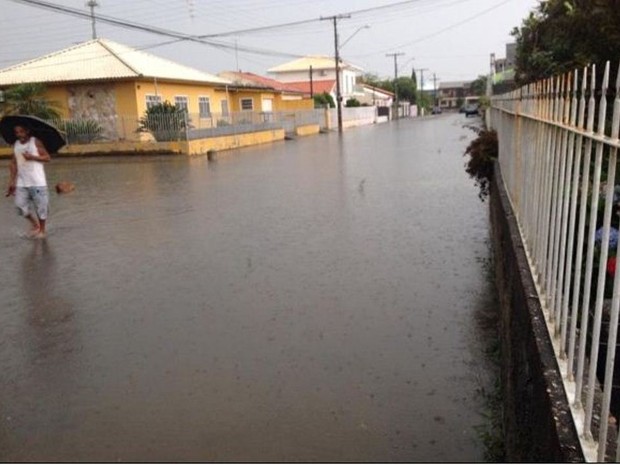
(125, 148)
(167, 91)
(289, 105)
(202, 146)
(308, 130)
(131, 97)
(114, 148)
(257, 96)
(59, 95)
(124, 91)
(126, 102)
(279, 104)
(196, 147)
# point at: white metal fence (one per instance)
(353, 116)
(183, 126)
(558, 147)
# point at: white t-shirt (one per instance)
(29, 173)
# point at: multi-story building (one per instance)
(317, 74)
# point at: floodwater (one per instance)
(310, 300)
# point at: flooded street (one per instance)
(311, 300)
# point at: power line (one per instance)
(150, 29)
(181, 37)
(228, 47)
(441, 31)
(308, 21)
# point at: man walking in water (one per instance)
(27, 181)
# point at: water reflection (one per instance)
(303, 301)
(50, 315)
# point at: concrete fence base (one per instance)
(538, 424)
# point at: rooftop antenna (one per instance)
(92, 4)
(190, 8)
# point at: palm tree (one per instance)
(29, 99)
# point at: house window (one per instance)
(152, 100)
(224, 104)
(247, 104)
(181, 102)
(204, 107)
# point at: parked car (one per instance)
(471, 110)
(436, 110)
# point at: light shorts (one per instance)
(29, 200)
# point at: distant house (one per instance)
(317, 74)
(504, 70)
(373, 96)
(259, 93)
(453, 94)
(114, 84)
(103, 80)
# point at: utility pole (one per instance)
(337, 58)
(395, 56)
(489, 92)
(237, 53)
(92, 4)
(435, 89)
(311, 82)
(491, 75)
(421, 70)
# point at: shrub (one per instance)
(165, 121)
(353, 103)
(323, 100)
(83, 131)
(482, 153)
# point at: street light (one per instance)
(337, 59)
(366, 26)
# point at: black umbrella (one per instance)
(49, 135)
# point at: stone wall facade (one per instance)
(95, 102)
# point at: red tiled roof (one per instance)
(262, 81)
(318, 87)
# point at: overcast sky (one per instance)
(452, 38)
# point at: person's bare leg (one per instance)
(42, 227)
(35, 224)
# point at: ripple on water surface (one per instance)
(309, 300)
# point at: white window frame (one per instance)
(241, 100)
(204, 99)
(152, 100)
(176, 103)
(263, 105)
(224, 107)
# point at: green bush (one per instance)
(323, 100)
(165, 121)
(353, 103)
(83, 131)
(482, 152)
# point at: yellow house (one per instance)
(115, 84)
(251, 92)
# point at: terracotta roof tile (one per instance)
(318, 87)
(250, 79)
